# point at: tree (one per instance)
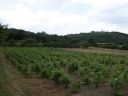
(92, 42)
(2, 34)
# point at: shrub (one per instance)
(117, 85)
(97, 78)
(62, 63)
(124, 47)
(37, 68)
(56, 75)
(45, 73)
(75, 87)
(111, 46)
(27, 70)
(73, 67)
(65, 80)
(86, 79)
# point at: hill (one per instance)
(102, 37)
(19, 37)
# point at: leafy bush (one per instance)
(75, 87)
(45, 73)
(65, 80)
(72, 67)
(111, 46)
(56, 74)
(84, 74)
(86, 79)
(27, 70)
(124, 47)
(117, 83)
(97, 78)
(37, 68)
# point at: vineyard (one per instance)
(71, 69)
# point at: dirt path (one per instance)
(19, 85)
(3, 81)
(13, 82)
(100, 50)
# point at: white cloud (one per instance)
(65, 16)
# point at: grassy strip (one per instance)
(3, 81)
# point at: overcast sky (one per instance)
(65, 16)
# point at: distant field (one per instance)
(100, 50)
(90, 72)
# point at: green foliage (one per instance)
(97, 78)
(118, 81)
(72, 67)
(45, 73)
(75, 87)
(109, 45)
(85, 75)
(117, 84)
(124, 47)
(86, 79)
(56, 75)
(12, 43)
(2, 34)
(65, 80)
(60, 77)
(82, 40)
(63, 67)
(28, 70)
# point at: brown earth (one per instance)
(100, 50)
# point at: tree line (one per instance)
(22, 38)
